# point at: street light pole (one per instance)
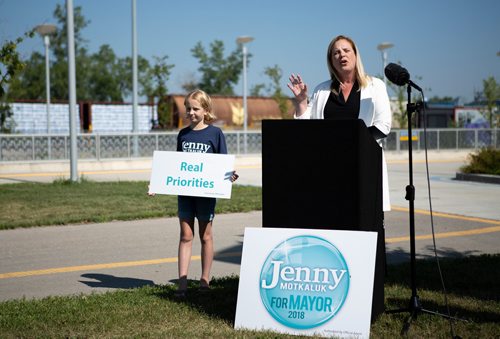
(135, 119)
(383, 48)
(243, 40)
(46, 41)
(72, 90)
(45, 31)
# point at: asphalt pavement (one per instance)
(61, 260)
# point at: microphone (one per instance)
(399, 75)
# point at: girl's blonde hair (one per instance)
(361, 76)
(205, 102)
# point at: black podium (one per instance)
(324, 174)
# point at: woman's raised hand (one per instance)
(298, 88)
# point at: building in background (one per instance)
(471, 117)
(229, 111)
(437, 115)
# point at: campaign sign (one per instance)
(192, 174)
(307, 282)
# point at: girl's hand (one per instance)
(234, 177)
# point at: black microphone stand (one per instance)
(414, 307)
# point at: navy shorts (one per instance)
(190, 207)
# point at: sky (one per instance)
(448, 46)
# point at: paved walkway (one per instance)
(61, 260)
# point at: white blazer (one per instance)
(374, 110)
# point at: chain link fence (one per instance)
(112, 146)
(443, 139)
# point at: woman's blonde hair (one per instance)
(205, 102)
(361, 76)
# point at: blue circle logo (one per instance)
(304, 282)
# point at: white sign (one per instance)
(193, 174)
(307, 282)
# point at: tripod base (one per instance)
(415, 308)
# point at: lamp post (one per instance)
(135, 118)
(243, 40)
(383, 47)
(70, 32)
(45, 31)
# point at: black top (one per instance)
(337, 108)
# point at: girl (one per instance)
(200, 136)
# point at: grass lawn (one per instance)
(153, 311)
(63, 202)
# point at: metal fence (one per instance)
(111, 146)
(443, 139)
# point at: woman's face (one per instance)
(343, 57)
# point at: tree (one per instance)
(256, 89)
(60, 38)
(218, 73)
(101, 76)
(275, 73)
(124, 75)
(491, 92)
(156, 87)
(10, 62)
(437, 99)
(189, 83)
(10, 65)
(59, 69)
(400, 93)
(103, 83)
(30, 84)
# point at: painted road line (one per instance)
(89, 267)
(447, 215)
(104, 266)
(492, 229)
(471, 232)
(422, 161)
(61, 174)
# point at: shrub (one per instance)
(484, 161)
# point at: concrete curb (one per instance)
(83, 165)
(483, 178)
(86, 165)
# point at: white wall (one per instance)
(118, 118)
(31, 118)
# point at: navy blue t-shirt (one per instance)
(207, 140)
